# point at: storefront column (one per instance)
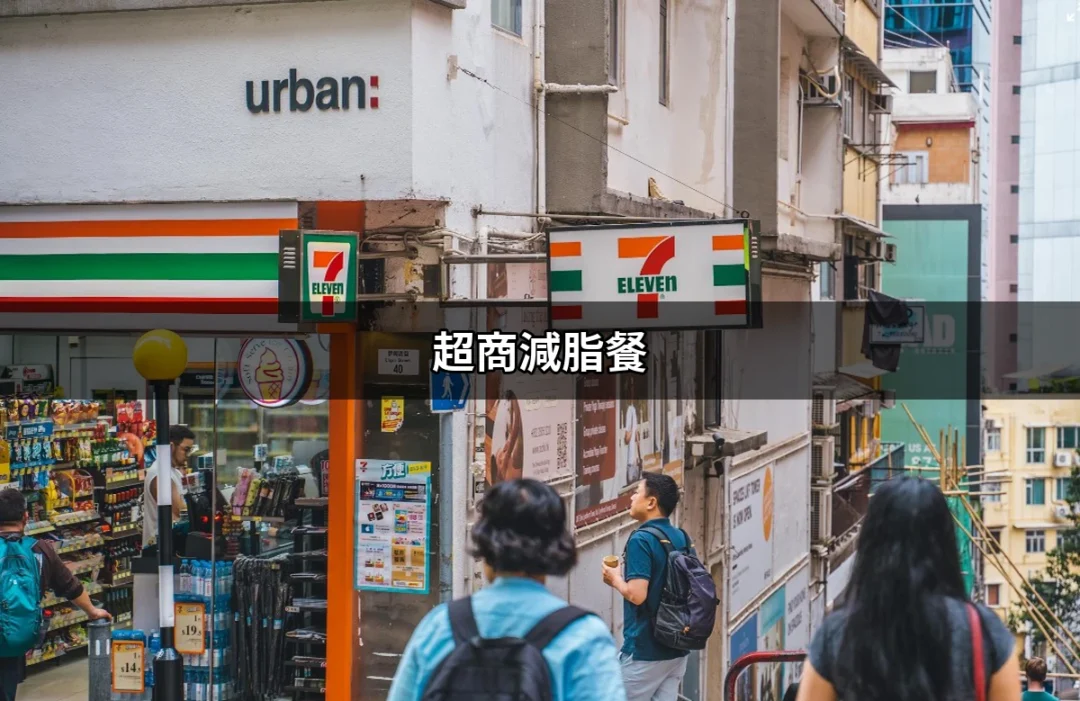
(343, 623)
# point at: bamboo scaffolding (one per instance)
(1044, 619)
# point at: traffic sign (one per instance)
(449, 391)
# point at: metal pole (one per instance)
(168, 665)
(100, 661)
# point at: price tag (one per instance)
(190, 628)
(128, 657)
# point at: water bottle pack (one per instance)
(207, 581)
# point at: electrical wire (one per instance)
(637, 160)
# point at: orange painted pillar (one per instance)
(346, 435)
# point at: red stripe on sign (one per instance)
(565, 312)
(737, 306)
(136, 305)
(648, 306)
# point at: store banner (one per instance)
(393, 527)
(529, 427)
(744, 641)
(797, 618)
(751, 537)
(770, 676)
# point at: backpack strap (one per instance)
(554, 623)
(462, 621)
(977, 652)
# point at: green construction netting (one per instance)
(964, 524)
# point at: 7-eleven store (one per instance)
(79, 284)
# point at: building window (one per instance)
(913, 169)
(1013, 339)
(993, 440)
(664, 53)
(1036, 445)
(993, 594)
(1016, 138)
(1061, 488)
(1014, 288)
(991, 493)
(1017, 39)
(920, 82)
(506, 14)
(613, 43)
(1014, 189)
(827, 281)
(995, 533)
(1035, 491)
(1014, 238)
(1016, 90)
(1068, 437)
(849, 106)
(1035, 541)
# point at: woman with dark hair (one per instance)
(905, 628)
(523, 539)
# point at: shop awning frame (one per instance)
(858, 58)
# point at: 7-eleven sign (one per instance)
(329, 284)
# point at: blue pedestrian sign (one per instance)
(449, 391)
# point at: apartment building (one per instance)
(1030, 450)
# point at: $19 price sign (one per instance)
(190, 628)
(128, 658)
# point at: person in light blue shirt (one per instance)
(522, 538)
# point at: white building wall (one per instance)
(683, 144)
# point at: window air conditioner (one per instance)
(1062, 511)
(823, 409)
(822, 464)
(820, 516)
(890, 253)
(1063, 458)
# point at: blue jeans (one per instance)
(652, 681)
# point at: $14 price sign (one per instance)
(128, 658)
(190, 628)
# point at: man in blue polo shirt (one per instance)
(651, 671)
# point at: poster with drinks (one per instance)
(393, 503)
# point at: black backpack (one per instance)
(686, 615)
(497, 669)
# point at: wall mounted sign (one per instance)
(399, 361)
(393, 414)
(274, 372)
(689, 274)
(301, 94)
(393, 503)
(329, 270)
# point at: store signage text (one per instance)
(329, 277)
(655, 283)
(302, 93)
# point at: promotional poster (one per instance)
(393, 500)
(751, 537)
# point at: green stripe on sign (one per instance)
(141, 266)
(723, 275)
(560, 280)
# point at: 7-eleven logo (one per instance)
(649, 284)
(327, 266)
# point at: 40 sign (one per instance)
(329, 272)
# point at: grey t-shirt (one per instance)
(999, 644)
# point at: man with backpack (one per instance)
(670, 598)
(513, 640)
(28, 568)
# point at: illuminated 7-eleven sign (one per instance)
(329, 277)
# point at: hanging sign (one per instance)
(393, 507)
(274, 372)
(190, 628)
(329, 272)
(393, 414)
(128, 658)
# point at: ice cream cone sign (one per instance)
(274, 372)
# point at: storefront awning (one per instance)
(863, 63)
(860, 227)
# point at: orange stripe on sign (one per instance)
(323, 258)
(565, 249)
(638, 247)
(727, 243)
(132, 229)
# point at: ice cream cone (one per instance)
(269, 376)
(270, 391)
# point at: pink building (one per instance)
(1000, 319)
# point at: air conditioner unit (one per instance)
(1062, 511)
(991, 424)
(1063, 458)
(823, 408)
(890, 253)
(822, 465)
(820, 516)
(881, 103)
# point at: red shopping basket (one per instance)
(757, 658)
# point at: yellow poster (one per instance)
(127, 666)
(393, 414)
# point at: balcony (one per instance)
(817, 18)
(33, 8)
